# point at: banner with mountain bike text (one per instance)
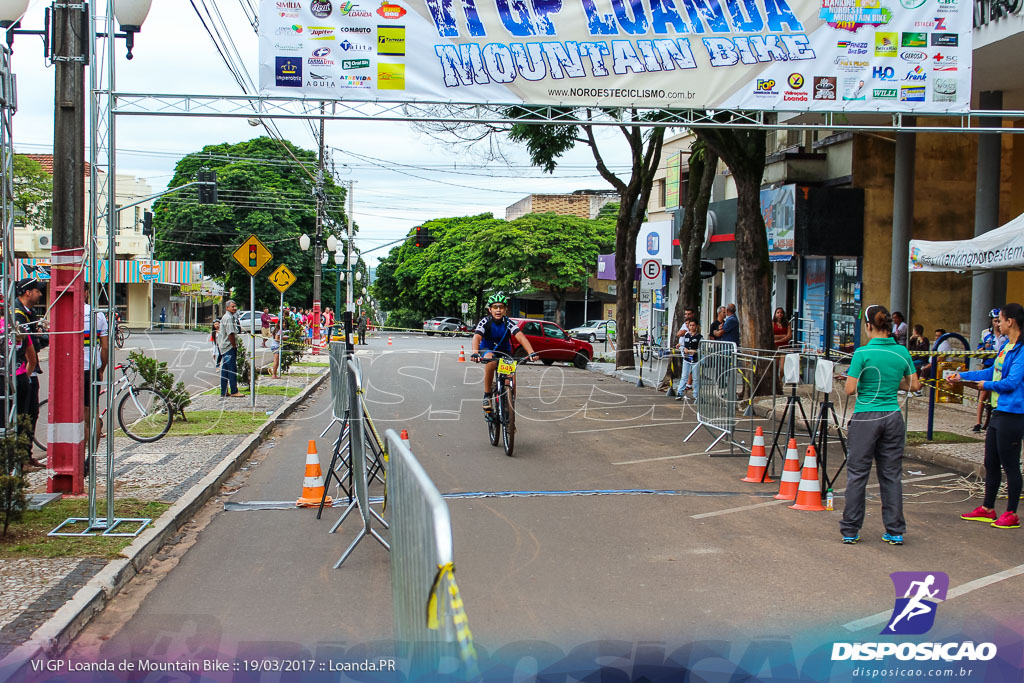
(782, 55)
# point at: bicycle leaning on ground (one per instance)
(501, 422)
(121, 333)
(143, 414)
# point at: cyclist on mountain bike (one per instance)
(493, 337)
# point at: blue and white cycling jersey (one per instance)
(496, 334)
(991, 342)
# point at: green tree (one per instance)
(265, 187)
(33, 192)
(703, 164)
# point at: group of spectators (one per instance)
(725, 327)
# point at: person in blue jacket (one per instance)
(1005, 379)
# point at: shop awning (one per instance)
(999, 249)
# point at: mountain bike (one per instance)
(143, 414)
(121, 333)
(501, 422)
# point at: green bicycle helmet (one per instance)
(497, 299)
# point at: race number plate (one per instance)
(506, 367)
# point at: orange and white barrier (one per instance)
(758, 462)
(313, 483)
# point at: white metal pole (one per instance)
(252, 333)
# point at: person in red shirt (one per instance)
(780, 328)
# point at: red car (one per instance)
(552, 343)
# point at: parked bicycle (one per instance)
(143, 414)
(501, 422)
(121, 333)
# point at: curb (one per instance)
(67, 622)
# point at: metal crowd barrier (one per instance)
(716, 391)
(429, 615)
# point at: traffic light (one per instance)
(252, 256)
(207, 187)
(147, 223)
(423, 238)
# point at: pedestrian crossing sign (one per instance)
(252, 255)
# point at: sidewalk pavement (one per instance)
(45, 601)
(966, 458)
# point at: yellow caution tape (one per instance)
(446, 573)
(965, 354)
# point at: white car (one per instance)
(594, 330)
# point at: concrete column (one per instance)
(902, 219)
(988, 289)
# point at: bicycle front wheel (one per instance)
(645, 352)
(144, 414)
(119, 338)
(508, 419)
(39, 436)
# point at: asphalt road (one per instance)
(716, 562)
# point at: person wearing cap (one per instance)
(31, 292)
(876, 433)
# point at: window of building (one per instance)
(660, 192)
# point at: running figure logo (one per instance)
(914, 612)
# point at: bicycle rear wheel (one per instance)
(144, 414)
(508, 421)
(119, 338)
(494, 427)
(645, 352)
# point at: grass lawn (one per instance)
(920, 438)
(260, 391)
(27, 537)
(218, 422)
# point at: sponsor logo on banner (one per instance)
(825, 87)
(351, 64)
(390, 76)
(287, 72)
(853, 48)
(355, 29)
(913, 56)
(319, 61)
(940, 24)
(316, 80)
(349, 46)
(851, 65)
(321, 52)
(941, 62)
(293, 30)
(765, 88)
(795, 96)
(912, 4)
(948, 6)
(288, 47)
(391, 41)
(850, 16)
(885, 45)
(795, 80)
(356, 81)
(321, 9)
(945, 40)
(288, 14)
(911, 93)
(944, 90)
(854, 90)
(349, 9)
(391, 10)
(883, 73)
(883, 94)
(914, 40)
(321, 33)
(916, 74)
(288, 8)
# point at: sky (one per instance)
(402, 176)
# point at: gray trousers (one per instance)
(877, 437)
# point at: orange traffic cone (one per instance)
(389, 340)
(758, 461)
(462, 354)
(404, 436)
(808, 497)
(313, 484)
(790, 482)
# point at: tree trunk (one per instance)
(627, 230)
(703, 166)
(559, 294)
(744, 153)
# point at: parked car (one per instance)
(552, 343)
(444, 325)
(594, 330)
(244, 317)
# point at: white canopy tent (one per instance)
(999, 249)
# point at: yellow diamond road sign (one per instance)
(252, 255)
(282, 278)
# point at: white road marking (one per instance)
(761, 505)
(883, 617)
(669, 457)
(612, 429)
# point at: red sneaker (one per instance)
(980, 514)
(1007, 520)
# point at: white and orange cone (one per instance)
(389, 340)
(462, 354)
(758, 462)
(313, 484)
(808, 497)
(789, 485)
